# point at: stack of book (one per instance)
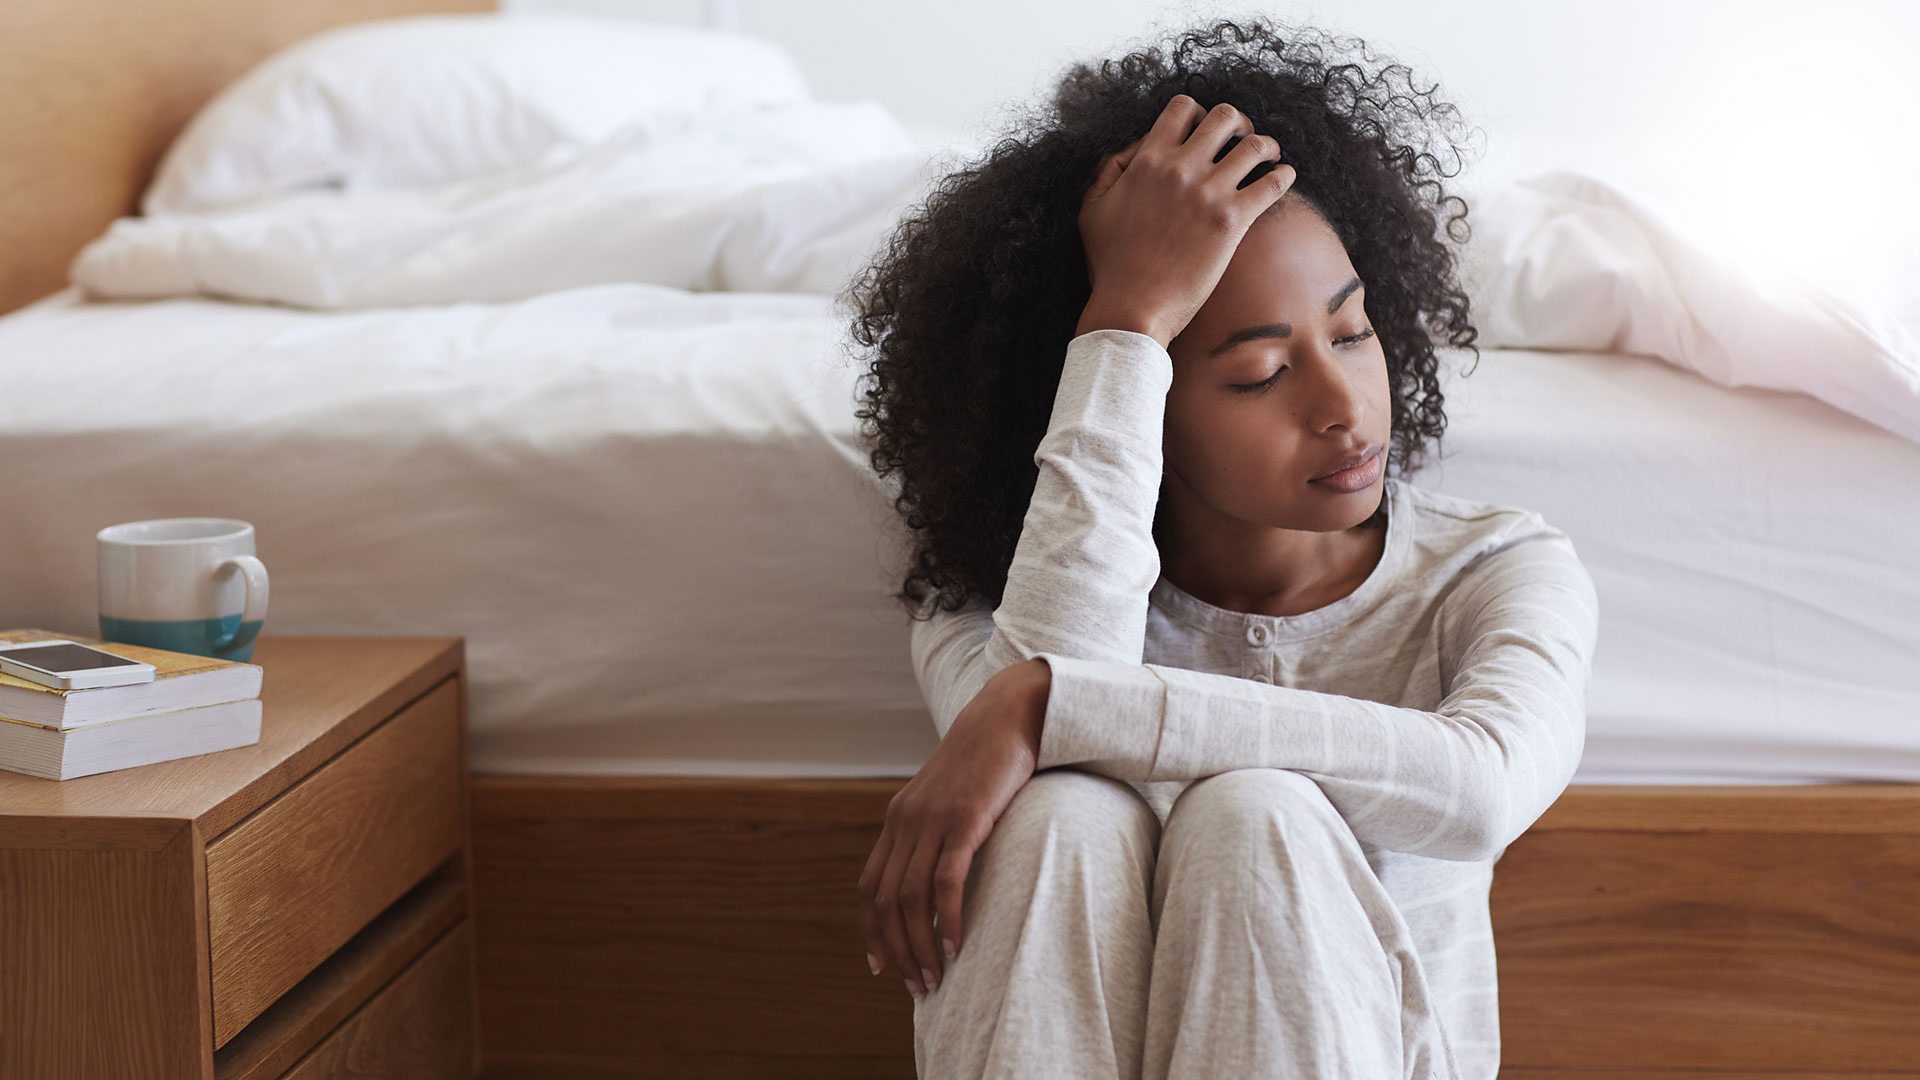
(193, 705)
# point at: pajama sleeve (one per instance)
(1085, 561)
(1516, 641)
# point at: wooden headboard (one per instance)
(92, 94)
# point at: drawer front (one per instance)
(420, 1026)
(290, 884)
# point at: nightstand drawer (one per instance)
(419, 1026)
(293, 882)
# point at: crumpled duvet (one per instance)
(796, 197)
(774, 199)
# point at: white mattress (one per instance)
(647, 512)
(1756, 554)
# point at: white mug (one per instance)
(191, 585)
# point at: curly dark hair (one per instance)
(973, 297)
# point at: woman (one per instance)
(1234, 718)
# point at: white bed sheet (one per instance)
(647, 512)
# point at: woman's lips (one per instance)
(1357, 478)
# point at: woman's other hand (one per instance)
(942, 816)
(1162, 218)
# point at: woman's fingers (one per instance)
(1269, 189)
(950, 886)
(1176, 121)
(1103, 180)
(893, 928)
(869, 910)
(1110, 169)
(916, 907)
(1247, 155)
(1221, 123)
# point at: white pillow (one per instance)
(426, 99)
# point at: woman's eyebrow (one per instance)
(1269, 330)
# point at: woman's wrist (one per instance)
(1036, 684)
(1019, 695)
(1102, 317)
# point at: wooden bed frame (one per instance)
(644, 926)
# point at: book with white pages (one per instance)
(66, 753)
(181, 681)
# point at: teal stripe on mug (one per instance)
(196, 636)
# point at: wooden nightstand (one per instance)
(297, 908)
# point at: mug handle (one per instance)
(256, 608)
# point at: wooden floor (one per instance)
(698, 927)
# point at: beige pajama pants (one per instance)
(1240, 934)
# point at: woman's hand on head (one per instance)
(1161, 220)
(942, 816)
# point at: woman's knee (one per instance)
(1079, 815)
(1244, 807)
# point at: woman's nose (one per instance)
(1332, 386)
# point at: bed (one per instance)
(623, 490)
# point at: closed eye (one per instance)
(1254, 388)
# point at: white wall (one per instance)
(1731, 115)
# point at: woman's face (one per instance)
(1251, 451)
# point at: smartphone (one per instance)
(69, 665)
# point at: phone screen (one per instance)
(58, 658)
